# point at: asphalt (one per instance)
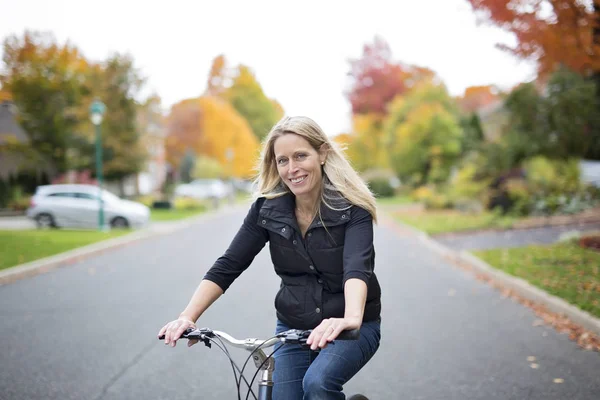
(88, 330)
(511, 238)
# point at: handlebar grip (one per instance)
(184, 335)
(353, 334)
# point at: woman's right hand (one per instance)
(174, 329)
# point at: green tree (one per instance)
(45, 81)
(424, 135)
(207, 168)
(117, 83)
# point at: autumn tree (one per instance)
(375, 79)
(210, 126)
(44, 79)
(550, 32)
(246, 95)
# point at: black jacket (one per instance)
(313, 270)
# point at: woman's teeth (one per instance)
(298, 180)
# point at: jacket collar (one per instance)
(282, 209)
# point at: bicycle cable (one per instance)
(246, 363)
(261, 365)
(224, 349)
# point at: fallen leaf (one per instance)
(558, 380)
(451, 292)
(535, 366)
(531, 358)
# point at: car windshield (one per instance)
(109, 197)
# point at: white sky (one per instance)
(299, 50)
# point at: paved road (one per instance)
(87, 331)
(510, 238)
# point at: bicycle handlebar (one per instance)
(292, 336)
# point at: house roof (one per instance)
(8, 123)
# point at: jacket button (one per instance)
(318, 222)
(343, 216)
(282, 229)
(320, 280)
(264, 221)
(318, 310)
(311, 267)
(309, 234)
(295, 242)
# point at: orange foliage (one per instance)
(549, 32)
(476, 97)
(210, 126)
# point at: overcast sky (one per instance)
(299, 50)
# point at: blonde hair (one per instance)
(339, 178)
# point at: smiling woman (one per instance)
(317, 215)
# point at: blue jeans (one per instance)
(303, 374)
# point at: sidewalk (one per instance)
(43, 265)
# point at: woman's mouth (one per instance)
(299, 180)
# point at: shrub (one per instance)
(591, 242)
(187, 203)
(381, 187)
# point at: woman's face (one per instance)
(298, 164)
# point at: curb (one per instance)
(520, 286)
(43, 265)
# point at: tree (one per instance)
(424, 136)
(45, 81)
(477, 97)
(210, 126)
(247, 97)
(375, 79)
(550, 32)
(572, 112)
(207, 168)
(117, 83)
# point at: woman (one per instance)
(317, 215)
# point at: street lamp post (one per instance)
(96, 113)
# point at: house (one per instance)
(13, 143)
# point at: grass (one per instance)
(18, 247)
(443, 221)
(173, 214)
(564, 270)
(396, 200)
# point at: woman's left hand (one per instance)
(328, 330)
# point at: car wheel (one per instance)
(45, 221)
(119, 223)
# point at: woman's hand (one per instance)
(174, 329)
(329, 329)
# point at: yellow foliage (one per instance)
(210, 126)
(223, 128)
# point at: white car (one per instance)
(77, 206)
(204, 189)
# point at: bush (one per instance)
(381, 187)
(187, 203)
(431, 199)
(591, 242)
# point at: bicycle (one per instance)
(265, 364)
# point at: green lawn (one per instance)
(434, 222)
(18, 247)
(564, 270)
(173, 214)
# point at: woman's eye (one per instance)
(301, 156)
(281, 161)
